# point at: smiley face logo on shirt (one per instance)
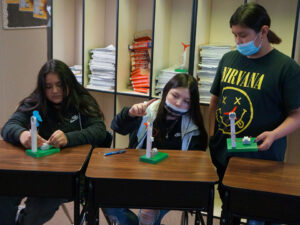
(234, 100)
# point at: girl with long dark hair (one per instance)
(177, 124)
(70, 115)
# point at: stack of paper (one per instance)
(77, 70)
(102, 68)
(163, 77)
(210, 56)
(140, 58)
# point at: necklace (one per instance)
(169, 129)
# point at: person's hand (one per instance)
(25, 139)
(58, 139)
(140, 108)
(267, 138)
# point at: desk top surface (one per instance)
(194, 166)
(14, 158)
(263, 175)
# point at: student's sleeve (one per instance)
(125, 124)
(196, 144)
(290, 89)
(12, 129)
(93, 132)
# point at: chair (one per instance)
(198, 219)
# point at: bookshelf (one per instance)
(99, 31)
(133, 16)
(172, 27)
(80, 25)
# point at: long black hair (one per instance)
(75, 96)
(182, 81)
(254, 16)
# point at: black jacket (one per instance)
(79, 129)
(125, 124)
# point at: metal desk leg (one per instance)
(210, 211)
(199, 218)
(77, 202)
(227, 217)
(91, 205)
(185, 218)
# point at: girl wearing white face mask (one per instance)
(260, 84)
(178, 124)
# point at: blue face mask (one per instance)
(249, 48)
(173, 110)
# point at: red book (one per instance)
(142, 90)
(140, 71)
(140, 82)
(139, 78)
(139, 54)
(140, 45)
(142, 85)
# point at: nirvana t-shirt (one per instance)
(261, 92)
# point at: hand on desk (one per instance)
(267, 138)
(25, 139)
(58, 139)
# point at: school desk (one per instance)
(263, 189)
(54, 176)
(184, 180)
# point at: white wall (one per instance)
(22, 53)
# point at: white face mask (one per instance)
(172, 109)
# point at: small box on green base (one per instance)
(155, 159)
(41, 153)
(240, 147)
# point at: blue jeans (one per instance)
(125, 216)
(37, 211)
(259, 222)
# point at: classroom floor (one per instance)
(172, 218)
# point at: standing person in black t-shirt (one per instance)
(178, 124)
(260, 84)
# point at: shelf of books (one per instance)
(134, 47)
(213, 39)
(171, 40)
(99, 45)
(122, 101)
(67, 34)
(100, 53)
(125, 54)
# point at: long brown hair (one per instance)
(75, 96)
(182, 81)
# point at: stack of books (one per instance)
(210, 56)
(77, 70)
(140, 58)
(163, 77)
(102, 68)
